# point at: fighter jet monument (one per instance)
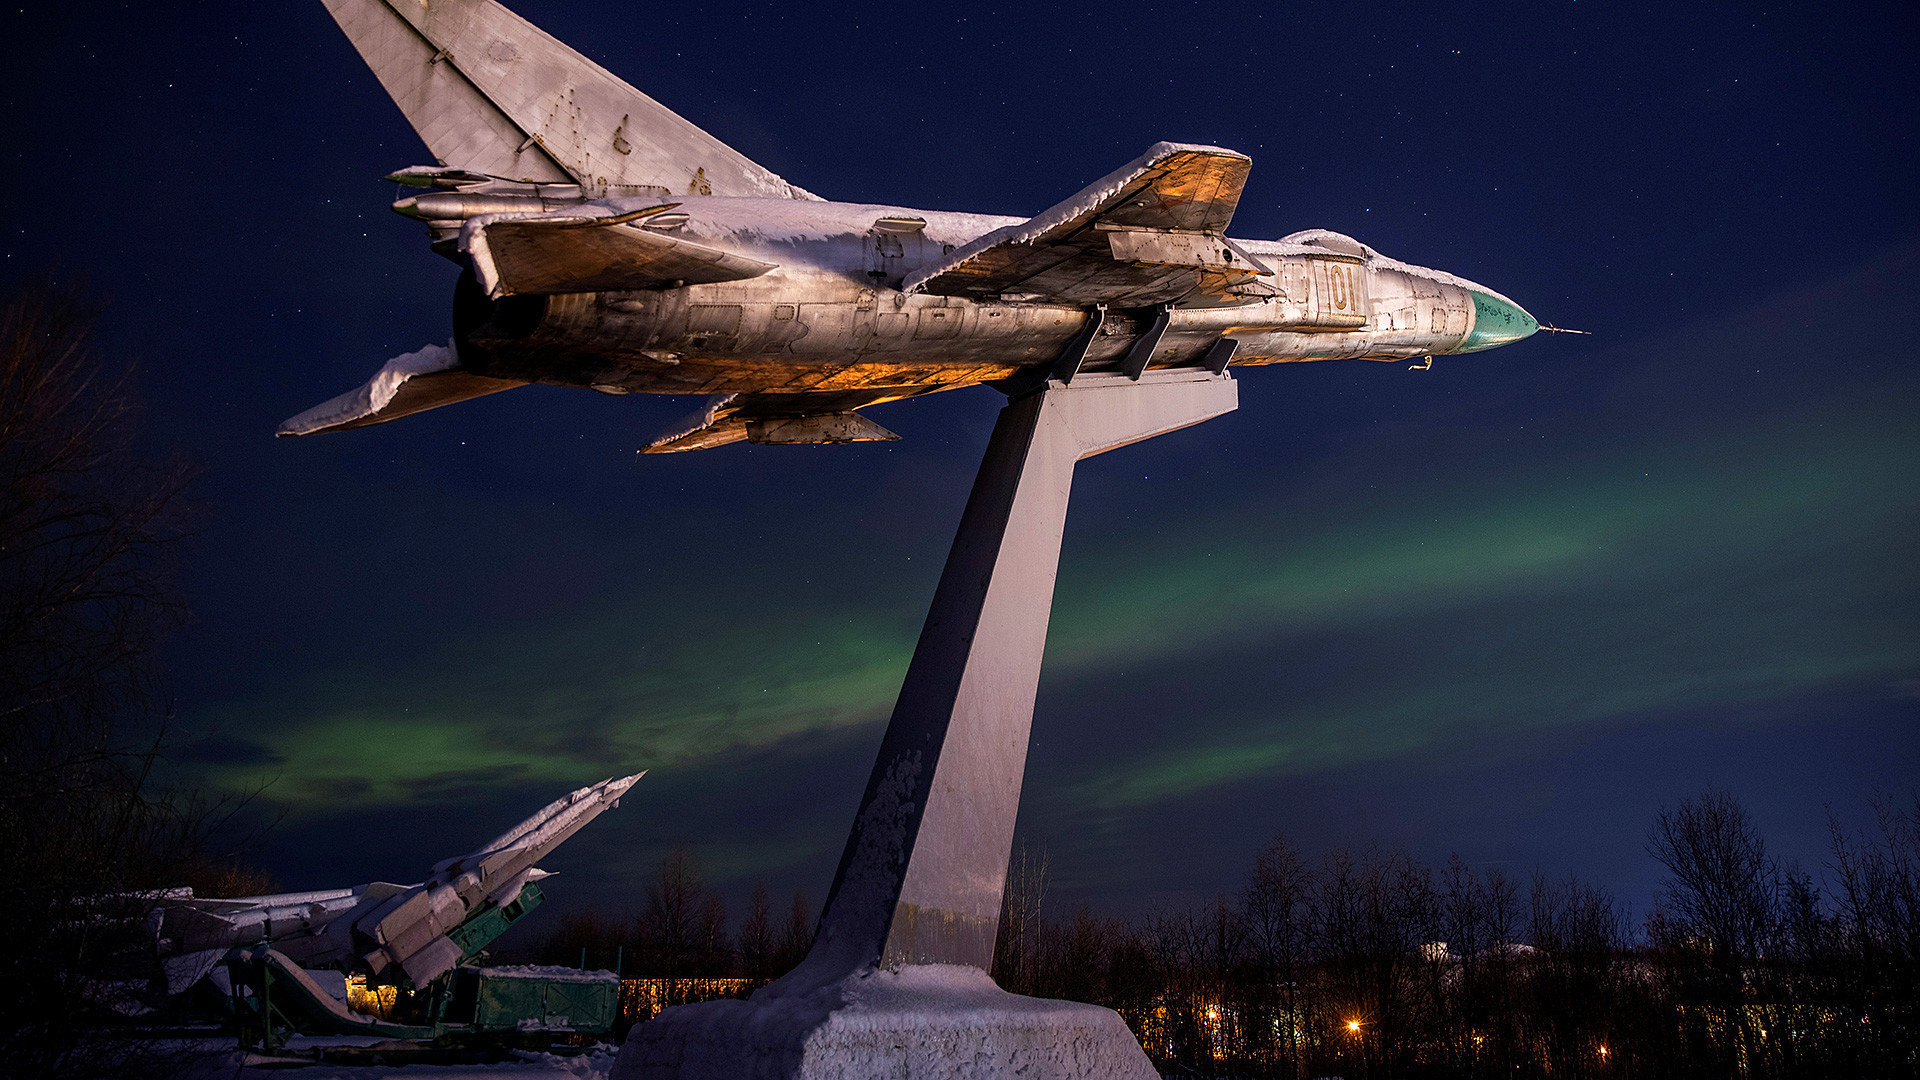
(607, 243)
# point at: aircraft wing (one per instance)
(819, 416)
(492, 93)
(570, 253)
(1150, 233)
(404, 385)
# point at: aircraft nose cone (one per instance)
(1496, 322)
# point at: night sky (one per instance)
(1507, 607)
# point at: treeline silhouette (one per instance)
(678, 943)
(1366, 964)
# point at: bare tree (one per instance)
(796, 938)
(86, 546)
(1173, 938)
(87, 531)
(1574, 977)
(1375, 912)
(1879, 938)
(1079, 963)
(585, 937)
(1276, 905)
(1472, 967)
(756, 937)
(1722, 886)
(1016, 948)
(714, 958)
(1719, 904)
(671, 930)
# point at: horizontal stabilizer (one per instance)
(406, 384)
(814, 417)
(571, 253)
(492, 93)
(1149, 233)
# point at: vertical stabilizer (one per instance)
(490, 92)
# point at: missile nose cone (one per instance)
(1496, 322)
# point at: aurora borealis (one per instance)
(1228, 625)
(1508, 606)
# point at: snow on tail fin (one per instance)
(491, 92)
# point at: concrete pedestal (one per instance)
(925, 1022)
(895, 985)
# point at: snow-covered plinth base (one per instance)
(919, 1023)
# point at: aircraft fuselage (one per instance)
(832, 315)
(609, 243)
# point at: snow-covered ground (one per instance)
(225, 1063)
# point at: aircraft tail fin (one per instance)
(492, 93)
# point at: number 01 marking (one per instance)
(1340, 285)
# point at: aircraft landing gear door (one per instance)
(1339, 292)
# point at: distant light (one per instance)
(1354, 1025)
(1603, 1051)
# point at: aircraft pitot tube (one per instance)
(426, 928)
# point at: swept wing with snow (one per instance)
(1151, 233)
(608, 243)
(373, 927)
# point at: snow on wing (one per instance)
(1066, 253)
(550, 253)
(407, 384)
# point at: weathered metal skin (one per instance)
(833, 316)
(609, 243)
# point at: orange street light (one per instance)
(1353, 1025)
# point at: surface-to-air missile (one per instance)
(606, 242)
(424, 929)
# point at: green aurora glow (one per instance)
(1761, 563)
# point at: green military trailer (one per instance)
(529, 999)
(273, 998)
(398, 964)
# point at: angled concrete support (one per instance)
(921, 878)
(896, 983)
